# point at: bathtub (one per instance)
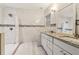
(11, 48)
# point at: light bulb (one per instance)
(54, 7)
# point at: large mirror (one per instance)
(66, 19)
(77, 19)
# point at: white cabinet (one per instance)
(54, 46)
(46, 42)
(71, 49)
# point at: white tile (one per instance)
(29, 48)
(9, 48)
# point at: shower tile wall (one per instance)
(28, 18)
(9, 30)
(33, 23)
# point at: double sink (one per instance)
(66, 36)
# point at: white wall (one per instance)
(0, 15)
(10, 36)
(30, 17)
(1, 20)
(25, 17)
(29, 34)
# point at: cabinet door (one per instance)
(49, 48)
(43, 40)
(46, 42)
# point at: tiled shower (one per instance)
(10, 29)
(18, 28)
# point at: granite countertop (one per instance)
(71, 41)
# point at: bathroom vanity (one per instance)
(56, 44)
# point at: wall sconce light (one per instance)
(54, 7)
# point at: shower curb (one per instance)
(16, 49)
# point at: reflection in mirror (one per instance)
(66, 17)
(77, 21)
(48, 18)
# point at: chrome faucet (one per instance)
(76, 35)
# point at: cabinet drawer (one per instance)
(47, 43)
(67, 47)
(49, 52)
(47, 37)
(59, 51)
(50, 45)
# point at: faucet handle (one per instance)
(76, 35)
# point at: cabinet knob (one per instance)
(63, 52)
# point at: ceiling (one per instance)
(25, 5)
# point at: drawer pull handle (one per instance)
(63, 53)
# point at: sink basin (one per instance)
(69, 37)
(51, 31)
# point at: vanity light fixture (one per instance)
(54, 7)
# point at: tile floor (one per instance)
(9, 48)
(29, 48)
